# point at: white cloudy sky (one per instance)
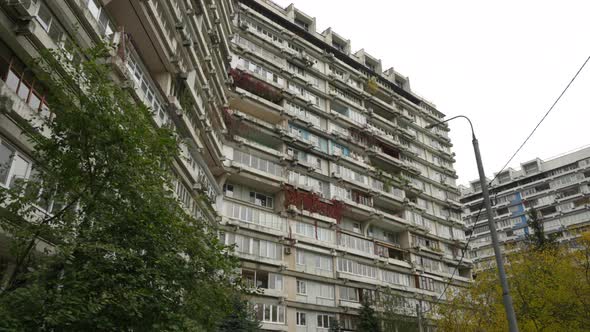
(502, 63)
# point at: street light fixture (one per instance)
(508, 306)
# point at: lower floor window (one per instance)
(301, 319)
(324, 321)
(271, 313)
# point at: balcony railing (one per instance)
(258, 163)
(260, 51)
(387, 188)
(313, 203)
(255, 216)
(253, 85)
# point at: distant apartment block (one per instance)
(557, 188)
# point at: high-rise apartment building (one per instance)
(164, 49)
(315, 159)
(333, 190)
(557, 189)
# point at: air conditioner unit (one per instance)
(287, 250)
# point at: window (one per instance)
(326, 291)
(6, 154)
(302, 24)
(349, 294)
(228, 190)
(324, 262)
(324, 321)
(356, 227)
(301, 319)
(275, 281)
(100, 16)
(301, 287)
(353, 267)
(261, 199)
(44, 16)
(13, 165)
(270, 313)
(353, 242)
(395, 278)
(300, 257)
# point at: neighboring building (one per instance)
(315, 159)
(333, 189)
(163, 48)
(557, 188)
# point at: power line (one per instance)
(546, 114)
(496, 176)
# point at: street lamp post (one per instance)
(508, 306)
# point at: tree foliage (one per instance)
(368, 320)
(123, 254)
(336, 326)
(241, 318)
(538, 239)
(550, 288)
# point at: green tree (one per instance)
(241, 318)
(550, 288)
(121, 252)
(335, 326)
(539, 239)
(368, 320)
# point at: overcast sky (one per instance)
(502, 63)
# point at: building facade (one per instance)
(557, 188)
(333, 190)
(315, 161)
(163, 50)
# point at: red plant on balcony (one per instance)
(313, 203)
(251, 84)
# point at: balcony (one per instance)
(388, 155)
(346, 97)
(388, 191)
(255, 164)
(270, 284)
(152, 32)
(246, 45)
(350, 304)
(254, 218)
(313, 203)
(262, 89)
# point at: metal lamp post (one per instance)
(508, 306)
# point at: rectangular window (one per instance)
(324, 321)
(6, 154)
(301, 287)
(228, 190)
(301, 321)
(261, 199)
(326, 291)
(349, 294)
(324, 262)
(300, 257)
(44, 16)
(271, 313)
(13, 166)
